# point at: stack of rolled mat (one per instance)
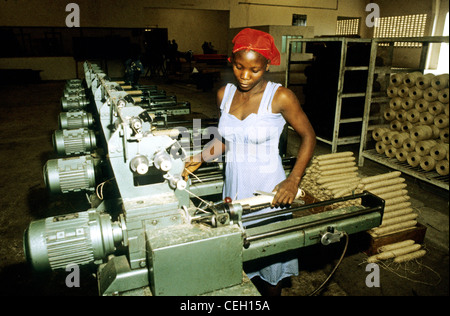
(417, 129)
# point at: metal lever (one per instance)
(331, 236)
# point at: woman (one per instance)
(253, 114)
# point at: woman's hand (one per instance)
(191, 166)
(286, 192)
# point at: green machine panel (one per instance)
(194, 259)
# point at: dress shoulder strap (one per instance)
(228, 94)
(269, 93)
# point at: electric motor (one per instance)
(75, 119)
(70, 174)
(73, 103)
(78, 238)
(74, 141)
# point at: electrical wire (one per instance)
(334, 269)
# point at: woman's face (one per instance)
(249, 68)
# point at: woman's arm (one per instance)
(286, 103)
(215, 148)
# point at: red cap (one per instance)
(257, 41)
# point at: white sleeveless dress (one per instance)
(253, 163)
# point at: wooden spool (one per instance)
(413, 116)
(421, 105)
(427, 163)
(430, 94)
(436, 108)
(415, 93)
(443, 96)
(396, 79)
(424, 146)
(389, 114)
(424, 81)
(410, 78)
(378, 132)
(426, 118)
(413, 159)
(395, 103)
(439, 151)
(403, 91)
(441, 120)
(421, 132)
(442, 167)
(440, 82)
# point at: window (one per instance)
(401, 26)
(299, 19)
(296, 46)
(347, 26)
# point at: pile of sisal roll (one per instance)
(418, 116)
(331, 176)
(401, 251)
(398, 214)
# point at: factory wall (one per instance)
(191, 22)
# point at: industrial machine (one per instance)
(168, 239)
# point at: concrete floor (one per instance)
(29, 117)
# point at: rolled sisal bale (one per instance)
(424, 81)
(386, 137)
(392, 91)
(337, 160)
(413, 116)
(381, 177)
(442, 167)
(427, 163)
(398, 219)
(441, 120)
(395, 103)
(410, 78)
(380, 147)
(393, 194)
(436, 108)
(401, 115)
(421, 105)
(413, 159)
(397, 206)
(409, 144)
(421, 132)
(381, 183)
(443, 96)
(440, 82)
(408, 103)
(430, 94)
(395, 125)
(389, 188)
(424, 146)
(406, 126)
(439, 151)
(399, 212)
(396, 79)
(443, 135)
(395, 227)
(334, 155)
(426, 118)
(378, 132)
(403, 91)
(401, 154)
(338, 171)
(398, 139)
(415, 93)
(341, 165)
(390, 151)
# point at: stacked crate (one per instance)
(418, 116)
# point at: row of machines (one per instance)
(159, 234)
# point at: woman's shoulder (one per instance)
(284, 97)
